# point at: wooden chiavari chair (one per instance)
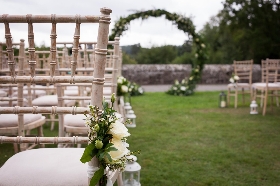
(242, 69)
(55, 166)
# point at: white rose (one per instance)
(124, 88)
(174, 88)
(120, 80)
(176, 82)
(122, 150)
(231, 80)
(140, 90)
(118, 130)
(183, 88)
(236, 77)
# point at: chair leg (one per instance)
(15, 147)
(265, 102)
(235, 98)
(41, 134)
(228, 97)
(243, 96)
(52, 116)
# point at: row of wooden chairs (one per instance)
(268, 87)
(61, 165)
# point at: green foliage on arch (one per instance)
(186, 25)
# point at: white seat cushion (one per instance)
(45, 167)
(262, 85)
(107, 90)
(11, 120)
(50, 100)
(14, 103)
(239, 85)
(37, 93)
(74, 120)
(3, 93)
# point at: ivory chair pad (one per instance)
(263, 85)
(10, 120)
(45, 167)
(37, 93)
(107, 90)
(240, 85)
(3, 93)
(72, 92)
(50, 100)
(14, 103)
(74, 120)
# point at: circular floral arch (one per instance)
(186, 25)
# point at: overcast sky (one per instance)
(153, 31)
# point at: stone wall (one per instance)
(166, 74)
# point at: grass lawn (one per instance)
(190, 141)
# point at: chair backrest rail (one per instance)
(44, 140)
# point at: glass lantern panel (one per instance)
(131, 178)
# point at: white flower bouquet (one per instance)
(107, 136)
(234, 78)
(122, 86)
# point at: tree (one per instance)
(254, 27)
(157, 55)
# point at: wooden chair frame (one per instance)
(98, 75)
(243, 69)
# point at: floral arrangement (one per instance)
(186, 87)
(134, 89)
(122, 86)
(107, 136)
(180, 89)
(234, 78)
(183, 23)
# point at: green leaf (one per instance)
(109, 157)
(97, 176)
(111, 149)
(87, 155)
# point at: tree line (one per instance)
(243, 29)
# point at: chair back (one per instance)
(243, 69)
(97, 80)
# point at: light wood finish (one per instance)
(243, 69)
(97, 80)
(271, 87)
(44, 140)
(22, 129)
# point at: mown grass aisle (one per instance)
(190, 141)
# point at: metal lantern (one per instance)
(254, 107)
(131, 174)
(132, 117)
(127, 107)
(222, 100)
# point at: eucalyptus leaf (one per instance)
(87, 155)
(97, 176)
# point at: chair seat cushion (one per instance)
(50, 100)
(11, 120)
(45, 167)
(239, 85)
(107, 91)
(73, 92)
(37, 93)
(74, 120)
(14, 103)
(262, 85)
(3, 93)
